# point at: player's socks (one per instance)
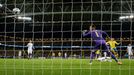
(30, 56)
(91, 57)
(119, 63)
(112, 55)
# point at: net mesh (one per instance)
(56, 26)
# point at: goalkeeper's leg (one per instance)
(92, 54)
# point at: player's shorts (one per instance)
(114, 49)
(102, 46)
(97, 52)
(130, 53)
(29, 51)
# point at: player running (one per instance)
(100, 43)
(113, 48)
(30, 49)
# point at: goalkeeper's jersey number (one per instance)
(96, 33)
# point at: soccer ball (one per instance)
(16, 10)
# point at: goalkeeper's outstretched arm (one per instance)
(85, 33)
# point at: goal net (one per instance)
(56, 27)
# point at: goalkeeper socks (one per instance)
(91, 56)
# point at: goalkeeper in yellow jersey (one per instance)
(113, 44)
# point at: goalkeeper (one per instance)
(100, 43)
(113, 44)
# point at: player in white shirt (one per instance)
(102, 59)
(30, 49)
(105, 58)
(130, 51)
(65, 55)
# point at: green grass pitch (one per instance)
(64, 67)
